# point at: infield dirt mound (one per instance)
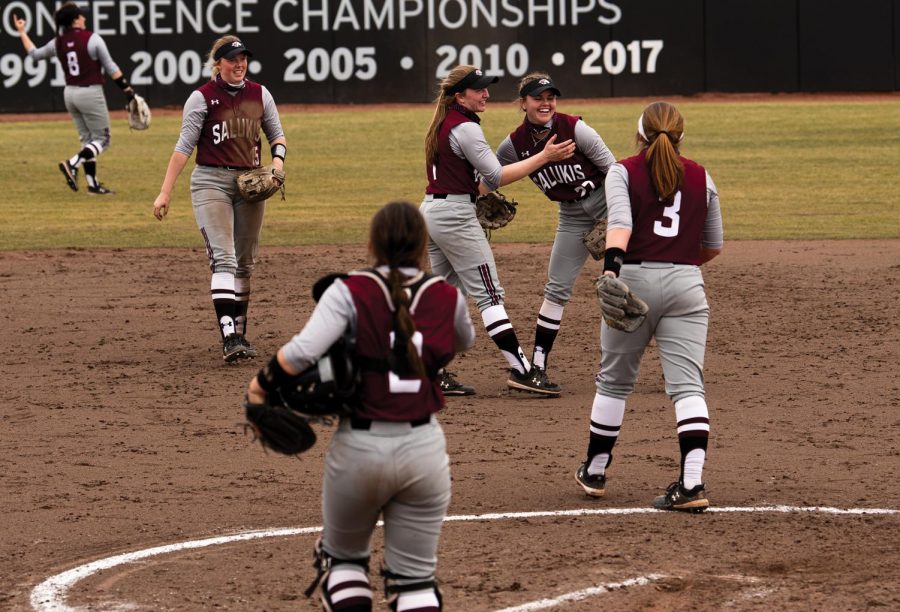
(122, 431)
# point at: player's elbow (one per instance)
(708, 254)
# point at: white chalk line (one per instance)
(543, 604)
(50, 595)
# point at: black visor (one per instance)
(537, 87)
(230, 50)
(474, 80)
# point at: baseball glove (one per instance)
(138, 113)
(595, 240)
(279, 428)
(260, 183)
(494, 210)
(622, 309)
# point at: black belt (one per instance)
(444, 196)
(361, 423)
(224, 167)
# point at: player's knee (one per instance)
(343, 583)
(618, 389)
(411, 594)
(557, 296)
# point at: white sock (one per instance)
(607, 414)
(693, 468)
(417, 600)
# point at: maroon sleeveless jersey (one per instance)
(384, 395)
(670, 230)
(562, 181)
(450, 174)
(78, 66)
(230, 134)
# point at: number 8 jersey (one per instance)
(80, 69)
(670, 231)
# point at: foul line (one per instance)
(543, 604)
(50, 595)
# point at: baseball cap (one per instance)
(474, 80)
(67, 14)
(230, 50)
(537, 87)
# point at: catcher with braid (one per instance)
(388, 458)
(576, 184)
(222, 119)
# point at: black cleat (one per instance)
(100, 190)
(249, 351)
(71, 174)
(233, 349)
(451, 386)
(595, 486)
(535, 381)
(679, 498)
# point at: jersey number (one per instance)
(582, 190)
(671, 229)
(72, 63)
(400, 385)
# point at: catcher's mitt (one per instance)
(138, 113)
(622, 309)
(595, 240)
(279, 428)
(494, 210)
(260, 183)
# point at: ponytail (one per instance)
(406, 357)
(660, 130)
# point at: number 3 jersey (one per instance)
(388, 395)
(668, 231)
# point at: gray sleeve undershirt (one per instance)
(713, 234)
(468, 142)
(334, 313)
(192, 118)
(97, 49)
(589, 142)
(619, 206)
(44, 52)
(506, 152)
(271, 123)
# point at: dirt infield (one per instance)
(122, 432)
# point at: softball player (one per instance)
(222, 120)
(389, 459)
(83, 56)
(576, 184)
(664, 223)
(459, 164)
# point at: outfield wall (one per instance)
(359, 51)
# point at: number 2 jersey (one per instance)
(361, 303)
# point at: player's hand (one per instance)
(20, 23)
(557, 152)
(161, 206)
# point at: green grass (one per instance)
(785, 170)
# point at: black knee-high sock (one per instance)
(90, 173)
(546, 330)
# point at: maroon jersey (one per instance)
(385, 396)
(450, 174)
(230, 134)
(561, 181)
(668, 230)
(80, 69)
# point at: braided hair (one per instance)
(660, 131)
(397, 238)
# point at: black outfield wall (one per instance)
(359, 51)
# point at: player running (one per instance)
(664, 223)
(83, 56)
(456, 156)
(576, 184)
